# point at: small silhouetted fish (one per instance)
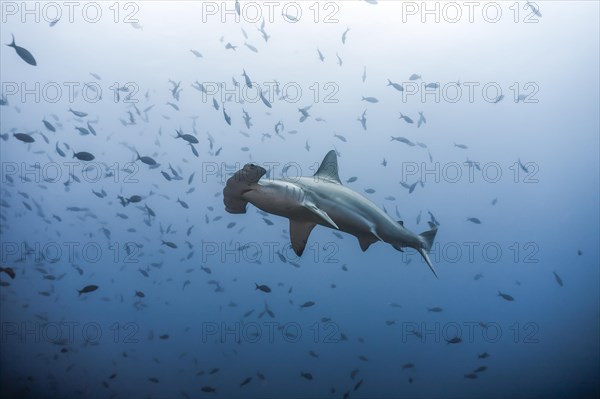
(164, 336)
(246, 381)
(183, 203)
(558, 279)
(369, 191)
(307, 376)
(78, 114)
(251, 47)
(87, 288)
(395, 85)
(208, 389)
(480, 369)
(265, 101)
(358, 384)
(82, 131)
(464, 147)
(494, 201)
(196, 53)
(187, 137)
(169, 244)
(307, 304)
(154, 380)
(455, 340)
(339, 136)
(506, 296)
(352, 179)
(414, 76)
(478, 276)
(147, 160)
(268, 222)
(435, 309)
(9, 271)
(483, 355)
(140, 294)
(372, 100)
(24, 137)
(474, 220)
(408, 366)
(263, 288)
(49, 125)
(194, 151)
(471, 376)
(406, 118)
(23, 53)
(403, 140)
(227, 117)
(83, 156)
(59, 151)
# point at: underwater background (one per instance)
(123, 276)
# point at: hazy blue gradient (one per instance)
(547, 341)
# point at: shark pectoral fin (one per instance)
(322, 214)
(366, 241)
(299, 232)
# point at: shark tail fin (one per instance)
(427, 238)
(238, 184)
(12, 44)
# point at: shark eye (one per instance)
(252, 166)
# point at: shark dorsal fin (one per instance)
(328, 170)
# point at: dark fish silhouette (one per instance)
(23, 53)
(83, 156)
(506, 296)
(24, 137)
(558, 279)
(263, 288)
(88, 288)
(307, 376)
(307, 304)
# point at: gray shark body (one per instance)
(321, 200)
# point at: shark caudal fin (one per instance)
(238, 184)
(427, 238)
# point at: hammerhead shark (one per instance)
(321, 199)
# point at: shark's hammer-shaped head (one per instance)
(238, 184)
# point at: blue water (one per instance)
(373, 331)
